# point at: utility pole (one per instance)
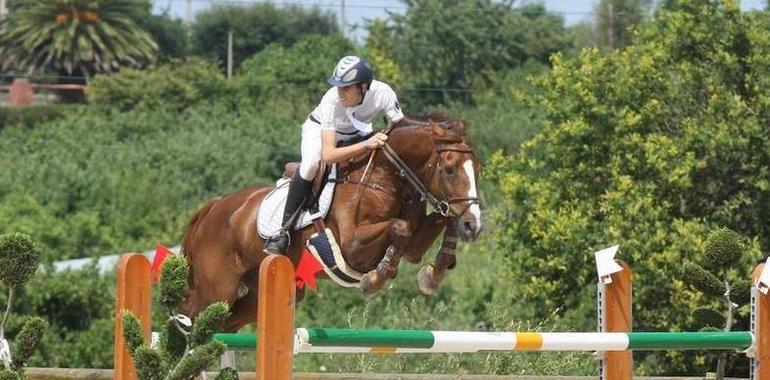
(189, 12)
(3, 9)
(342, 19)
(229, 54)
(611, 28)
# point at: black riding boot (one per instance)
(299, 189)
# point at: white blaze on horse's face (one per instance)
(474, 208)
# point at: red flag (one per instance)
(161, 253)
(306, 269)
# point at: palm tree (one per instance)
(87, 36)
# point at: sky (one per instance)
(357, 11)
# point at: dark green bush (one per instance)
(31, 116)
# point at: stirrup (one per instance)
(269, 248)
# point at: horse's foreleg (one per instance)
(424, 237)
(430, 276)
(394, 232)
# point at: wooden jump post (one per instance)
(133, 292)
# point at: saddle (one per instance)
(270, 212)
(318, 181)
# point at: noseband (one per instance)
(443, 206)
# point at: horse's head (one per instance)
(444, 159)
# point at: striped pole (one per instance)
(416, 341)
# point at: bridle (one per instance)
(442, 205)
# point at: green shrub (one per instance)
(176, 85)
(30, 116)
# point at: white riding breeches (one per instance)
(311, 150)
(312, 145)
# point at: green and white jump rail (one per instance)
(329, 340)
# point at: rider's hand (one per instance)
(376, 141)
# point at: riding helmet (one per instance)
(351, 70)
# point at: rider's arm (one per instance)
(389, 104)
(331, 153)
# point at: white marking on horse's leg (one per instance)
(475, 209)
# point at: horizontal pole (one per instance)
(416, 341)
(732, 340)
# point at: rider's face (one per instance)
(349, 95)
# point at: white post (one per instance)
(189, 12)
(229, 54)
(3, 9)
(342, 19)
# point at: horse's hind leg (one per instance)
(431, 275)
(244, 310)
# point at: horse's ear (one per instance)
(463, 126)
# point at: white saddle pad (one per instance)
(271, 210)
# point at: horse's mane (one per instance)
(448, 123)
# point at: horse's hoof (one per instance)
(425, 280)
(368, 289)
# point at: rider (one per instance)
(345, 111)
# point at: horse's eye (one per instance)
(449, 170)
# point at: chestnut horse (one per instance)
(376, 219)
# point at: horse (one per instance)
(379, 215)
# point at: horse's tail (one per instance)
(192, 227)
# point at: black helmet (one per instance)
(351, 70)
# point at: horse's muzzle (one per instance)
(469, 226)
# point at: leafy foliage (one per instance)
(76, 35)
(172, 289)
(647, 147)
(616, 19)
(19, 256)
(724, 248)
(170, 34)
(30, 116)
(452, 44)
(254, 27)
(299, 71)
(175, 85)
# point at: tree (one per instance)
(452, 45)
(379, 50)
(19, 258)
(254, 27)
(647, 147)
(717, 278)
(297, 72)
(171, 35)
(615, 20)
(77, 36)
